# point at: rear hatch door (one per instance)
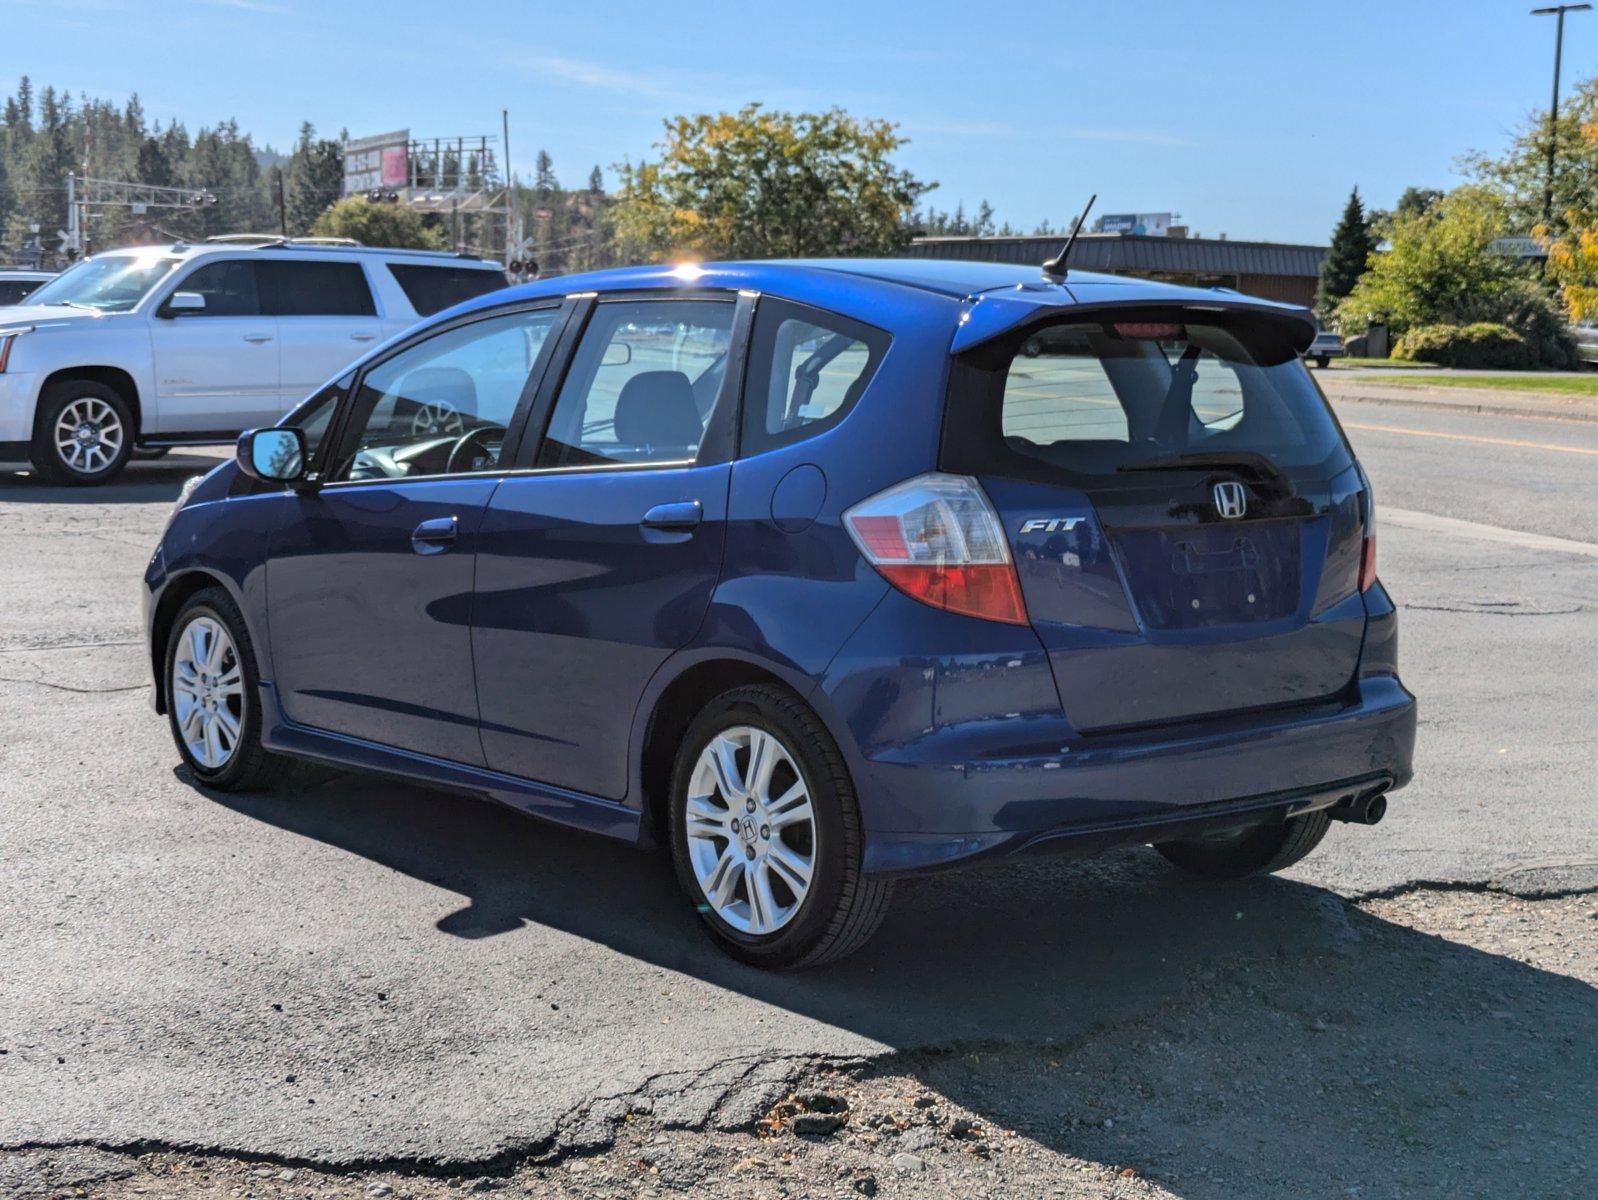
(1185, 516)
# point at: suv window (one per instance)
(316, 289)
(13, 290)
(642, 384)
(229, 287)
(433, 289)
(807, 367)
(442, 406)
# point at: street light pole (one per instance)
(1558, 11)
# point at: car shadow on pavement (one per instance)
(1258, 1039)
(148, 482)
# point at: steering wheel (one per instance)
(469, 443)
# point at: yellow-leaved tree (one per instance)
(767, 184)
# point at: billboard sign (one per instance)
(1518, 247)
(377, 162)
(1142, 224)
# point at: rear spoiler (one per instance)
(1017, 311)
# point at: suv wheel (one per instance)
(1254, 850)
(765, 833)
(83, 433)
(211, 690)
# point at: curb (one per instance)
(1494, 410)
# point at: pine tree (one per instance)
(596, 180)
(544, 174)
(313, 179)
(1346, 257)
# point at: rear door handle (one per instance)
(433, 536)
(363, 337)
(258, 338)
(682, 516)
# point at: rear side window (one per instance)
(642, 384)
(433, 289)
(316, 289)
(1098, 399)
(807, 367)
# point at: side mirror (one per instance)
(272, 455)
(182, 302)
(617, 354)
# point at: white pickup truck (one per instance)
(188, 345)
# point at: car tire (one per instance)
(737, 855)
(72, 407)
(1254, 850)
(213, 704)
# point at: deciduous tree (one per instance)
(762, 184)
(378, 224)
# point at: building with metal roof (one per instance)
(1273, 270)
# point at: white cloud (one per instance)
(1138, 137)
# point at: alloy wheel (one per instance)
(751, 830)
(441, 419)
(208, 692)
(88, 435)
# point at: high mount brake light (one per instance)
(1157, 331)
(937, 539)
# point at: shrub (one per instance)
(1481, 344)
(1527, 308)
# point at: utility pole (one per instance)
(1558, 11)
(510, 189)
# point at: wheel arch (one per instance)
(673, 701)
(174, 595)
(115, 378)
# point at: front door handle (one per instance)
(363, 337)
(434, 536)
(681, 516)
(258, 338)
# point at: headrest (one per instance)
(441, 385)
(656, 408)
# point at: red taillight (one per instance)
(937, 540)
(1367, 551)
(991, 592)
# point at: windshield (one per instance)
(1102, 398)
(108, 282)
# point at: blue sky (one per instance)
(1249, 118)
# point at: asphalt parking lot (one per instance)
(370, 985)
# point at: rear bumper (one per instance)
(1085, 795)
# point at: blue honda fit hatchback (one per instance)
(818, 572)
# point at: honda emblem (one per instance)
(1231, 500)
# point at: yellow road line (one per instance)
(1470, 437)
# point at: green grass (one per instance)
(1569, 384)
(1390, 363)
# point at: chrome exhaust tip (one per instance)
(1360, 810)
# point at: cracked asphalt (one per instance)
(365, 976)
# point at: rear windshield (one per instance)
(1093, 399)
(433, 289)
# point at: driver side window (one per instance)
(441, 407)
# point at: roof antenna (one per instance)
(1055, 267)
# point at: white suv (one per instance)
(189, 345)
